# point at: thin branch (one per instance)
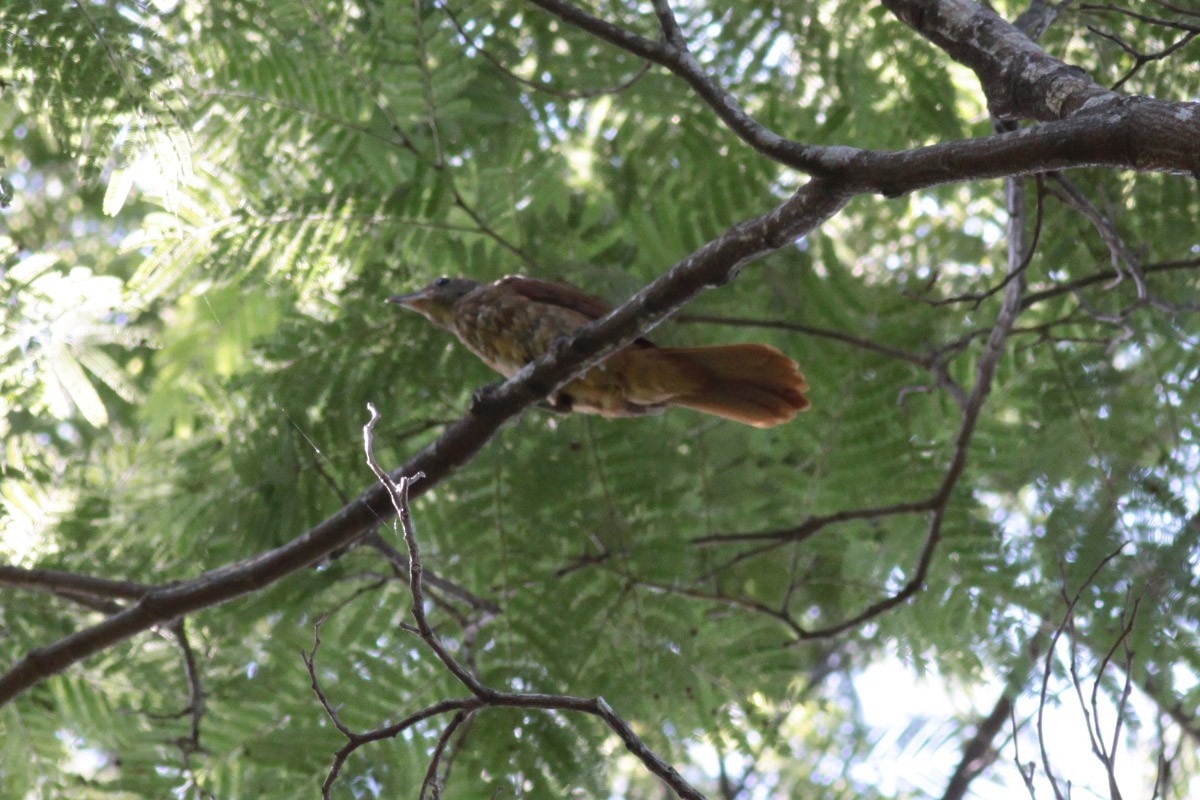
(807, 330)
(815, 524)
(481, 696)
(1026, 771)
(978, 297)
(399, 562)
(1141, 133)
(1068, 618)
(1122, 258)
(984, 372)
(1188, 12)
(1141, 59)
(577, 94)
(310, 662)
(745, 603)
(1103, 277)
(672, 53)
(487, 230)
(431, 781)
(357, 740)
(398, 491)
(671, 31)
(1108, 754)
(1019, 78)
(1166, 23)
(197, 704)
(59, 581)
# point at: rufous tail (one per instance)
(750, 383)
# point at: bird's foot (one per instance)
(559, 346)
(558, 404)
(483, 395)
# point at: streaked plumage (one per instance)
(516, 319)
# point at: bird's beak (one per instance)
(417, 301)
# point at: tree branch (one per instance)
(673, 54)
(1019, 78)
(807, 330)
(1164, 134)
(712, 265)
(55, 581)
(938, 501)
(482, 696)
(978, 751)
(579, 94)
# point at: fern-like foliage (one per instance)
(210, 202)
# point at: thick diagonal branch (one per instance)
(712, 265)
(1020, 79)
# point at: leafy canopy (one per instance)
(211, 200)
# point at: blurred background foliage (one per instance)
(209, 201)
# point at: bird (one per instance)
(516, 319)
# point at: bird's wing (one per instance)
(562, 295)
(556, 294)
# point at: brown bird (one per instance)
(516, 319)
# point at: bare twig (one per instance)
(1126, 12)
(1068, 620)
(196, 697)
(815, 524)
(984, 372)
(1188, 12)
(481, 696)
(937, 502)
(1034, 298)
(671, 52)
(399, 562)
(577, 94)
(1140, 58)
(310, 661)
(807, 330)
(398, 491)
(1026, 771)
(978, 752)
(977, 298)
(1107, 754)
(1138, 133)
(431, 781)
(59, 581)
(1122, 258)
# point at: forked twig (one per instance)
(481, 696)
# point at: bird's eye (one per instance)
(441, 282)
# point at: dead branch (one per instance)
(481, 696)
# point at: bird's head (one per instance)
(436, 301)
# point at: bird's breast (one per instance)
(507, 331)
